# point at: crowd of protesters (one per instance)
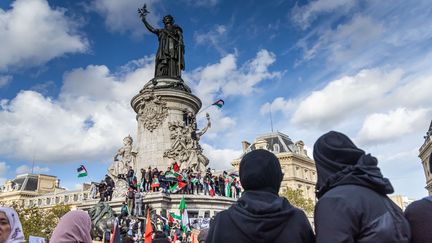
(132, 229)
(352, 206)
(173, 180)
(186, 181)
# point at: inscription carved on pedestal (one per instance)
(152, 111)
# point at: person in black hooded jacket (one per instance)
(260, 215)
(352, 202)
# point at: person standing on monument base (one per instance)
(260, 215)
(130, 199)
(148, 179)
(143, 172)
(352, 202)
(102, 189)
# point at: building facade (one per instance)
(425, 152)
(27, 186)
(298, 168)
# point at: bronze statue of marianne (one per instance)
(170, 54)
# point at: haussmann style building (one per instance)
(425, 152)
(298, 168)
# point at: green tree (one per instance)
(38, 221)
(296, 198)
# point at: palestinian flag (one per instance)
(173, 216)
(134, 182)
(195, 181)
(177, 186)
(184, 215)
(172, 175)
(82, 171)
(176, 167)
(170, 218)
(155, 183)
(219, 103)
(211, 190)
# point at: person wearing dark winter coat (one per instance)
(352, 202)
(419, 216)
(260, 215)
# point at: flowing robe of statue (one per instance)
(120, 167)
(170, 54)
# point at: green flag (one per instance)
(184, 215)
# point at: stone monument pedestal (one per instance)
(202, 206)
(161, 122)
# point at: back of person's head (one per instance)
(337, 158)
(260, 170)
(74, 226)
(10, 226)
(202, 235)
(160, 237)
(127, 239)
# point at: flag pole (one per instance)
(205, 108)
(271, 120)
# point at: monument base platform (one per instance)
(198, 206)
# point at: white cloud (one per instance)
(340, 98)
(216, 37)
(227, 79)
(278, 104)
(305, 15)
(5, 80)
(22, 169)
(384, 127)
(220, 159)
(354, 43)
(34, 33)
(122, 16)
(369, 37)
(87, 121)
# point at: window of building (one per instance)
(57, 200)
(193, 214)
(207, 214)
(276, 148)
(48, 201)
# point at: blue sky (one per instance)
(68, 70)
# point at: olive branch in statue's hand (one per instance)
(143, 11)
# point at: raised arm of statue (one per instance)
(204, 130)
(143, 13)
(149, 27)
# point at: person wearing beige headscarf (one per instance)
(10, 226)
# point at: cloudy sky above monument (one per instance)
(68, 70)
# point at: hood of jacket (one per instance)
(340, 162)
